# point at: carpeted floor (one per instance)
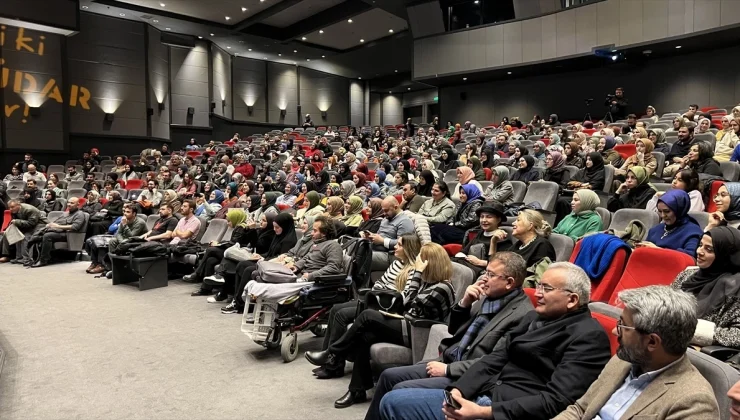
(80, 348)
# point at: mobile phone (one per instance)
(451, 401)
(366, 233)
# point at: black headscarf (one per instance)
(426, 189)
(270, 199)
(530, 163)
(596, 174)
(266, 186)
(265, 236)
(714, 284)
(53, 196)
(255, 202)
(346, 174)
(286, 240)
(322, 181)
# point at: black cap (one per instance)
(493, 208)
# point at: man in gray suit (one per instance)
(490, 308)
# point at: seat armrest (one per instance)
(335, 279)
(423, 323)
(720, 352)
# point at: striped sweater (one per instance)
(427, 300)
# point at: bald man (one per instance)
(73, 220)
(394, 225)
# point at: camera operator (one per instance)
(617, 104)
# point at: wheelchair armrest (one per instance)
(331, 279)
(720, 352)
(423, 323)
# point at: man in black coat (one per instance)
(548, 362)
(502, 283)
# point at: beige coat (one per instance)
(679, 393)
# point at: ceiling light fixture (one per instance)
(678, 47)
(228, 47)
(85, 7)
(264, 58)
(508, 72)
(408, 88)
(227, 18)
(360, 78)
(349, 21)
(121, 14)
(249, 49)
(465, 78)
(162, 4)
(244, 9)
(362, 40)
(396, 71)
(167, 29)
(155, 21)
(390, 30)
(476, 1)
(303, 38)
(308, 59)
(321, 31)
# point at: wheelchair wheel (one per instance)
(319, 330)
(289, 347)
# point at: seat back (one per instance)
(702, 217)
(203, 227)
(622, 217)
(519, 190)
(76, 240)
(730, 170)
(544, 192)
(462, 277)
(215, 231)
(76, 192)
(626, 150)
(151, 220)
(134, 184)
(450, 175)
(133, 195)
(54, 215)
(602, 290)
(720, 376)
(660, 161)
(530, 294)
(608, 323)
(641, 270)
(707, 137)
(609, 178)
(75, 184)
(563, 246)
(606, 217)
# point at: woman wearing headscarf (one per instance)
(727, 139)
(50, 202)
(214, 254)
(345, 172)
(657, 136)
(572, 158)
(376, 216)
(592, 176)
(606, 148)
(526, 172)
(634, 193)
(290, 196)
(556, 171)
(426, 182)
(380, 179)
(727, 201)
(583, 219)
(716, 285)
(703, 126)
(300, 201)
(352, 209)
(322, 181)
(465, 218)
(347, 189)
(501, 189)
(448, 160)
(314, 207)
(267, 206)
(539, 152)
(477, 167)
(374, 191)
(231, 200)
(334, 207)
(280, 181)
(677, 230)
(465, 176)
(488, 158)
(92, 205)
(208, 208)
(170, 197)
(644, 157)
(554, 139)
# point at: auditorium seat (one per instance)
(601, 290)
(563, 246)
(622, 217)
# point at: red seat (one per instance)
(609, 324)
(82, 201)
(6, 221)
(103, 201)
(230, 143)
(489, 173)
(134, 184)
(626, 150)
(399, 197)
(283, 207)
(602, 290)
(641, 270)
(193, 153)
(589, 131)
(707, 108)
(453, 249)
(365, 214)
(530, 292)
(546, 141)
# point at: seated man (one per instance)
(37, 176)
(72, 174)
(547, 362)
(29, 220)
(394, 225)
(72, 221)
(164, 226)
(188, 226)
(411, 201)
(651, 376)
(129, 227)
(490, 308)
(149, 199)
(89, 182)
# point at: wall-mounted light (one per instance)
(250, 109)
(109, 117)
(223, 103)
(191, 110)
(161, 106)
(282, 112)
(323, 114)
(34, 111)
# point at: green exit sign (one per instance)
(436, 98)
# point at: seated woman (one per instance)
(501, 189)
(100, 221)
(288, 199)
(465, 218)
(267, 206)
(237, 220)
(352, 217)
(531, 232)
(429, 296)
(50, 202)
(716, 285)
(342, 315)
(572, 158)
(348, 189)
(686, 180)
(187, 188)
(475, 164)
(606, 148)
(526, 172)
(208, 208)
(727, 201)
(170, 197)
(448, 160)
(332, 190)
(701, 159)
(92, 205)
(440, 209)
(334, 208)
(583, 219)
(313, 209)
(360, 182)
(644, 157)
(634, 193)
(399, 180)
(556, 171)
(465, 176)
(477, 241)
(677, 231)
(376, 216)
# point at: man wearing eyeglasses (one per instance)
(545, 363)
(651, 376)
(490, 308)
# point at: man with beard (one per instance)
(651, 376)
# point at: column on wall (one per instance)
(158, 89)
(221, 80)
(189, 85)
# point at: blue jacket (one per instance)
(597, 252)
(684, 238)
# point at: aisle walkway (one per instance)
(79, 348)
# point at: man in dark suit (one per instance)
(411, 200)
(546, 364)
(490, 308)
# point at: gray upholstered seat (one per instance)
(563, 246)
(622, 217)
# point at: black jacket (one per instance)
(707, 166)
(540, 372)
(678, 150)
(636, 198)
(560, 177)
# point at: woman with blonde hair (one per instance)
(429, 295)
(334, 207)
(395, 278)
(531, 232)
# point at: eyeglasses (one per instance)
(621, 326)
(546, 288)
(492, 275)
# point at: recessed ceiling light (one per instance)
(295, 51)
(122, 14)
(360, 78)
(323, 56)
(155, 21)
(249, 49)
(244, 9)
(476, 1)
(396, 71)
(227, 18)
(85, 7)
(279, 55)
(262, 1)
(362, 40)
(465, 78)
(321, 31)
(200, 37)
(508, 72)
(264, 58)
(211, 34)
(349, 21)
(308, 59)
(228, 47)
(167, 29)
(303, 38)
(162, 4)
(408, 88)
(390, 30)
(678, 47)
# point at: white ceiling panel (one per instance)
(211, 10)
(369, 26)
(299, 12)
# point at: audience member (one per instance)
(395, 225)
(686, 180)
(677, 231)
(477, 242)
(634, 193)
(188, 226)
(440, 208)
(465, 218)
(727, 201)
(583, 218)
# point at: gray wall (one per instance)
(569, 33)
(22, 130)
(282, 93)
(375, 109)
(221, 82)
(323, 91)
(356, 103)
(250, 81)
(158, 90)
(107, 57)
(668, 84)
(189, 74)
(392, 109)
(423, 98)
